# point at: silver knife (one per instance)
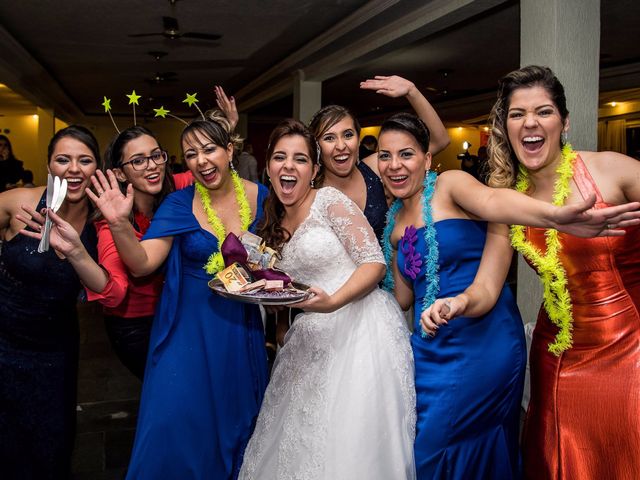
(44, 241)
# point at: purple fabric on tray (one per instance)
(271, 274)
(233, 251)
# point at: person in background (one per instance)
(10, 167)
(247, 163)
(27, 179)
(368, 146)
(175, 166)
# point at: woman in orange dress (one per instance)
(583, 420)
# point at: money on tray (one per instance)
(247, 279)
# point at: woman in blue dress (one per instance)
(207, 366)
(468, 339)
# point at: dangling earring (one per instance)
(313, 183)
(563, 138)
(232, 166)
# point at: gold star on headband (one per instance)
(107, 108)
(191, 99)
(133, 98)
(161, 112)
(106, 104)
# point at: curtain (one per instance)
(612, 136)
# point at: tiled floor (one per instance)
(107, 404)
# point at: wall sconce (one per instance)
(465, 145)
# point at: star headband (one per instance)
(162, 112)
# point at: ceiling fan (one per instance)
(162, 77)
(172, 32)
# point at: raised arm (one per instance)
(10, 205)
(483, 293)
(395, 86)
(227, 105)
(141, 258)
(503, 205)
(358, 238)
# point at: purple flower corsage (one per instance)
(412, 259)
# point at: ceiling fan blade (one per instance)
(201, 36)
(170, 23)
(145, 34)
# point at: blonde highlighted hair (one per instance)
(503, 163)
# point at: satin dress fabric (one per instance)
(206, 370)
(469, 377)
(583, 421)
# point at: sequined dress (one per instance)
(38, 358)
(341, 402)
(376, 206)
(583, 420)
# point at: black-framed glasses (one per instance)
(142, 162)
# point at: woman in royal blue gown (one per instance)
(207, 369)
(468, 339)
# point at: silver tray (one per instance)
(262, 297)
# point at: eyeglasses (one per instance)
(142, 162)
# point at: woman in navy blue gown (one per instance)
(39, 331)
(468, 341)
(207, 365)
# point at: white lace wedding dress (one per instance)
(341, 400)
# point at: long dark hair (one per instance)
(6, 139)
(503, 164)
(79, 133)
(323, 120)
(408, 123)
(113, 159)
(271, 229)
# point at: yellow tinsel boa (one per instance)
(216, 262)
(557, 301)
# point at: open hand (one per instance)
(63, 237)
(227, 105)
(114, 205)
(320, 302)
(393, 86)
(582, 220)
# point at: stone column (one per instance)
(565, 36)
(307, 97)
(46, 129)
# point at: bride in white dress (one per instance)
(341, 400)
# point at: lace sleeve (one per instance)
(351, 226)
